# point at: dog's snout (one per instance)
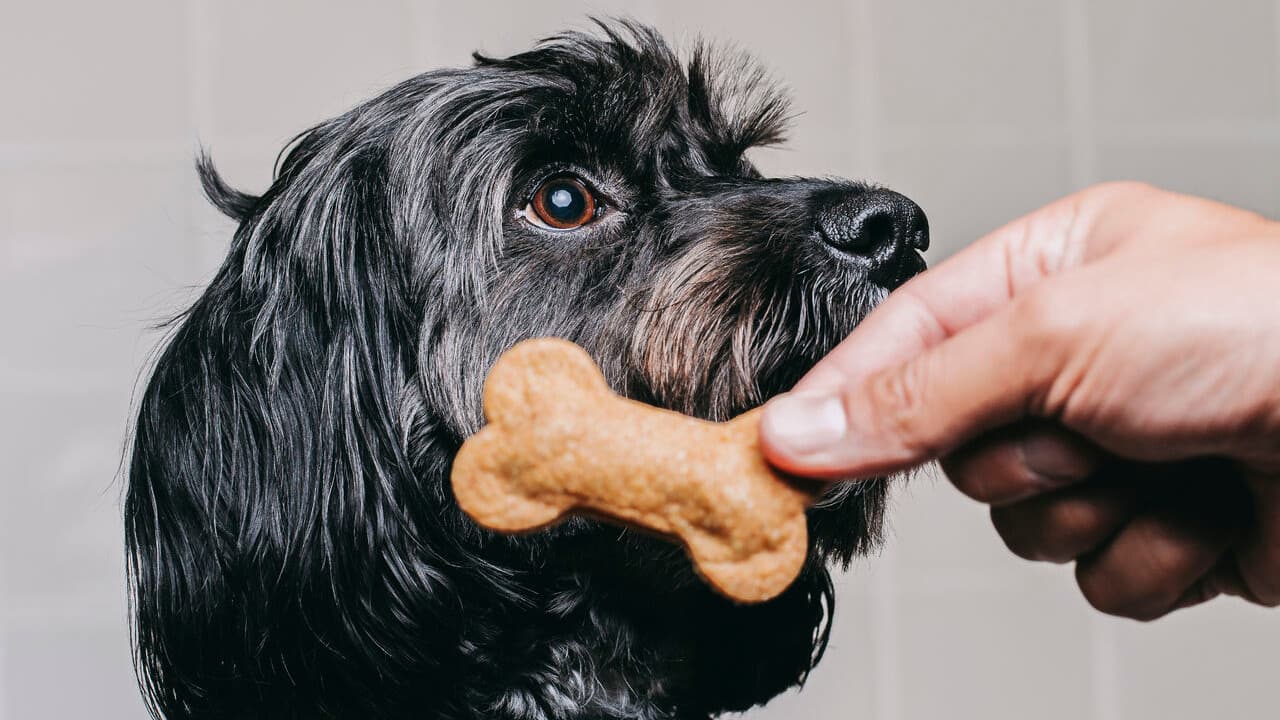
(874, 224)
(879, 227)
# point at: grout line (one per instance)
(408, 55)
(883, 600)
(415, 15)
(1249, 133)
(146, 153)
(885, 632)
(1082, 133)
(5, 624)
(81, 382)
(200, 44)
(866, 112)
(199, 31)
(885, 635)
(1103, 666)
(1084, 151)
(972, 581)
(1276, 43)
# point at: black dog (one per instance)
(295, 550)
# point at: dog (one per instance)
(294, 547)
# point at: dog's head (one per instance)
(289, 477)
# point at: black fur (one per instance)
(294, 548)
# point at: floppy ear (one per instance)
(277, 526)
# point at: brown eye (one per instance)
(563, 203)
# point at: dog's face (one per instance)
(601, 192)
(289, 504)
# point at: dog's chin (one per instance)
(640, 561)
(844, 520)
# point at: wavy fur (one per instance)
(294, 548)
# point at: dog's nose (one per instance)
(878, 225)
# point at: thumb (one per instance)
(986, 376)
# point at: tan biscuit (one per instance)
(559, 440)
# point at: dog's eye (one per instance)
(562, 203)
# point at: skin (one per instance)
(1104, 373)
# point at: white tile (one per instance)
(93, 71)
(807, 48)
(281, 67)
(4, 673)
(989, 62)
(1214, 661)
(60, 523)
(1242, 174)
(246, 166)
(843, 684)
(448, 32)
(92, 257)
(996, 655)
(1158, 62)
(794, 159)
(969, 189)
(70, 674)
(943, 540)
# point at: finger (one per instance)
(1062, 526)
(1150, 566)
(990, 375)
(1223, 579)
(1015, 463)
(1257, 559)
(1200, 593)
(978, 281)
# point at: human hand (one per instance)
(1105, 373)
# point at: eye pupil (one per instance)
(564, 203)
(562, 199)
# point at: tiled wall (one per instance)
(979, 109)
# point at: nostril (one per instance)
(876, 224)
(876, 232)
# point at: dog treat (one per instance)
(560, 441)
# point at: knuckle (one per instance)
(1163, 559)
(897, 403)
(1097, 200)
(979, 485)
(1101, 593)
(1030, 536)
(1105, 191)
(972, 472)
(1262, 585)
(1044, 319)
(1129, 594)
(1074, 525)
(1048, 328)
(995, 475)
(1013, 529)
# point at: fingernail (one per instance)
(805, 423)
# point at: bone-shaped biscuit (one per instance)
(559, 440)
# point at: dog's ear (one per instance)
(278, 531)
(736, 102)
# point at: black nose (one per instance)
(878, 225)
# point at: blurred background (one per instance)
(979, 110)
